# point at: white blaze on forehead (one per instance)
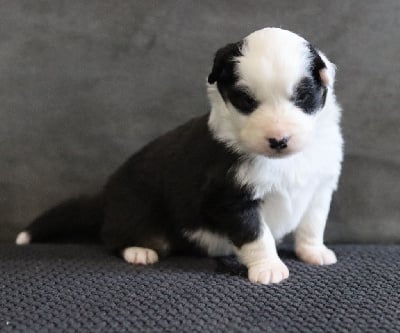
(273, 61)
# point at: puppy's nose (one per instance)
(278, 144)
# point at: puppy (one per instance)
(263, 163)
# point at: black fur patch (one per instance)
(223, 66)
(224, 73)
(310, 93)
(241, 100)
(180, 182)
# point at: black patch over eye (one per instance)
(309, 95)
(241, 100)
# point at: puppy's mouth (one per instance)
(276, 153)
(280, 153)
(283, 151)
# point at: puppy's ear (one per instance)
(327, 74)
(322, 69)
(223, 58)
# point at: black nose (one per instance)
(278, 144)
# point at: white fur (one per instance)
(261, 259)
(23, 238)
(296, 186)
(214, 244)
(139, 255)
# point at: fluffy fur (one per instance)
(263, 163)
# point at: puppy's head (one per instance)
(267, 92)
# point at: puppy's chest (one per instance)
(285, 189)
(283, 207)
(289, 177)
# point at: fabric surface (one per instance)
(83, 84)
(67, 288)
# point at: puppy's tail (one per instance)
(75, 220)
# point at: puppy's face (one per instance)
(266, 92)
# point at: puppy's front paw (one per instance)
(316, 255)
(268, 272)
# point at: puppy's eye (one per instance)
(242, 101)
(308, 96)
(304, 97)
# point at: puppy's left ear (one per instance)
(223, 58)
(322, 69)
(327, 74)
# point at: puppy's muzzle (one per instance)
(279, 144)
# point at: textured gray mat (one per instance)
(81, 288)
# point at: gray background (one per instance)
(83, 84)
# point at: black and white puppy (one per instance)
(264, 162)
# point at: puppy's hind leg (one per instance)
(134, 230)
(139, 255)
